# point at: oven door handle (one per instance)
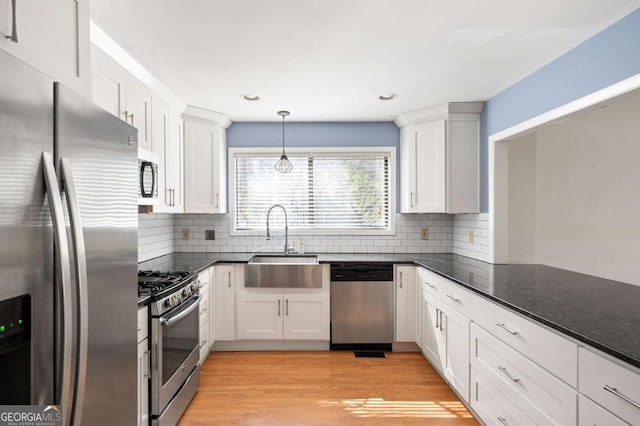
(183, 313)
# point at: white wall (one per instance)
(587, 198)
(522, 200)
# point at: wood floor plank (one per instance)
(322, 388)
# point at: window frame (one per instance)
(385, 150)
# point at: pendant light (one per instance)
(283, 165)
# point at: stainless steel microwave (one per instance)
(148, 177)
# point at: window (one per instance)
(328, 191)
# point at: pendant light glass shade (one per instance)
(283, 165)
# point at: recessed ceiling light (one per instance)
(387, 96)
(251, 97)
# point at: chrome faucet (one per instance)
(286, 227)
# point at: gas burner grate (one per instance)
(156, 282)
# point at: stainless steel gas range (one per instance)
(174, 326)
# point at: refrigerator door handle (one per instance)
(64, 270)
(80, 260)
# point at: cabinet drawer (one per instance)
(143, 323)
(432, 283)
(456, 297)
(541, 396)
(591, 414)
(491, 405)
(553, 352)
(611, 385)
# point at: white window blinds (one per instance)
(338, 191)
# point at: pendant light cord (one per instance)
(283, 134)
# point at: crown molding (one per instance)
(205, 114)
(438, 112)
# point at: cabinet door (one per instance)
(419, 308)
(306, 316)
(408, 163)
(108, 82)
(173, 158)
(455, 328)
(405, 304)
(224, 308)
(143, 383)
(433, 340)
(159, 140)
(139, 111)
(53, 37)
(203, 184)
(260, 316)
(430, 152)
(220, 171)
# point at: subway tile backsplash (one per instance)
(479, 224)
(161, 234)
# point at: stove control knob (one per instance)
(186, 292)
(170, 302)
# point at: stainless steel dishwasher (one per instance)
(362, 305)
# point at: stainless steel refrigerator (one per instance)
(68, 251)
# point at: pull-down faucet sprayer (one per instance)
(286, 227)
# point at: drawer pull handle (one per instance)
(455, 299)
(621, 396)
(430, 285)
(503, 420)
(501, 325)
(505, 371)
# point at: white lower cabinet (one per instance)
(543, 346)
(405, 284)
(445, 334)
(278, 316)
(613, 386)
(223, 308)
(143, 366)
(493, 407)
(542, 397)
(454, 328)
(591, 414)
(203, 282)
(432, 338)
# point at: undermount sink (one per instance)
(283, 271)
(284, 259)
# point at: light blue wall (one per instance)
(607, 58)
(349, 134)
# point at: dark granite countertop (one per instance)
(143, 300)
(602, 313)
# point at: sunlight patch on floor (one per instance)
(378, 407)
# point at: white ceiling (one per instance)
(328, 60)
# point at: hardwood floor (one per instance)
(322, 388)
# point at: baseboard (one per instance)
(405, 347)
(270, 345)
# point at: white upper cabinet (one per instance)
(51, 36)
(205, 162)
(439, 159)
(117, 91)
(166, 129)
